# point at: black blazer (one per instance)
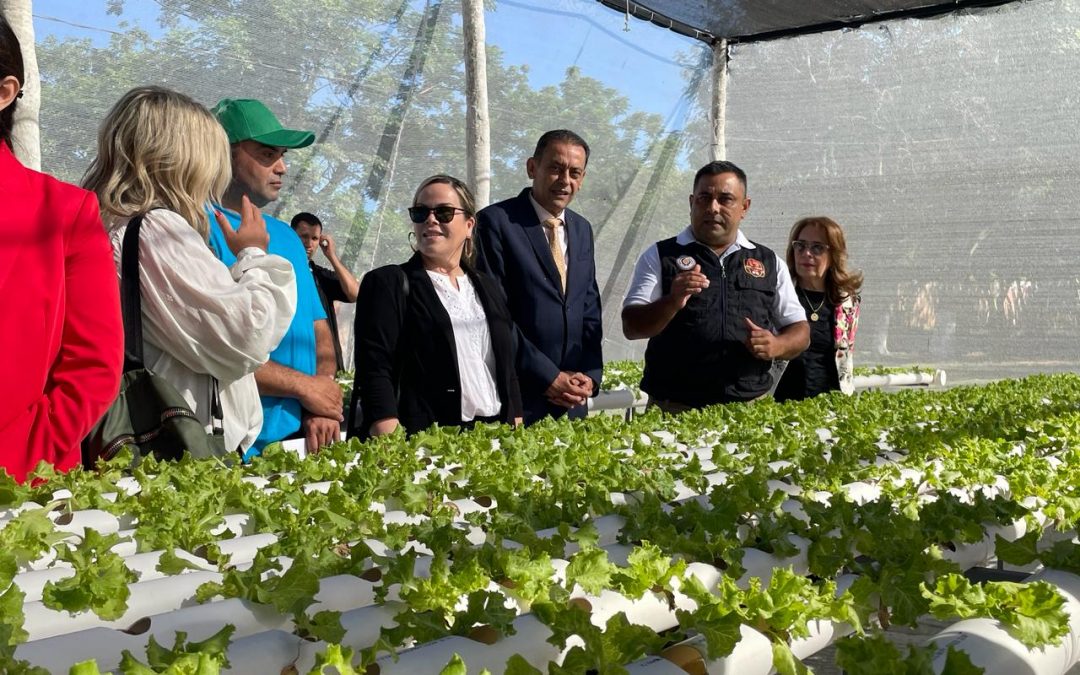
(406, 359)
(560, 332)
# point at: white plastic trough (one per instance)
(938, 379)
(106, 645)
(530, 641)
(612, 399)
(33, 583)
(274, 651)
(994, 649)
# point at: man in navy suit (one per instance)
(541, 253)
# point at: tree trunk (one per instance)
(26, 134)
(375, 186)
(719, 100)
(477, 120)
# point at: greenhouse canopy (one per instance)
(744, 20)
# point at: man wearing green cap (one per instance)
(300, 396)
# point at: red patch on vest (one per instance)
(754, 268)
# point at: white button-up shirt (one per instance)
(646, 286)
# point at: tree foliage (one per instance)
(381, 82)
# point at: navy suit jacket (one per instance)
(555, 332)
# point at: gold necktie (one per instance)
(552, 226)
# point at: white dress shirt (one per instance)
(475, 356)
(646, 286)
(203, 320)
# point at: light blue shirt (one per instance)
(281, 415)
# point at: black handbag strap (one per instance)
(131, 309)
(131, 297)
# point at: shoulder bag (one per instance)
(149, 414)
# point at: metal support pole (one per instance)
(718, 113)
(477, 120)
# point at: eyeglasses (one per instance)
(443, 214)
(816, 248)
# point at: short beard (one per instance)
(717, 240)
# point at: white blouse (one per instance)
(202, 319)
(475, 358)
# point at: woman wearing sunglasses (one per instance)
(434, 338)
(829, 292)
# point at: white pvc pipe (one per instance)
(607, 527)
(343, 593)
(240, 524)
(529, 641)
(269, 652)
(146, 599)
(654, 665)
(32, 583)
(612, 399)
(761, 564)
(752, 656)
(273, 651)
(243, 549)
(77, 522)
(106, 645)
(936, 378)
(992, 648)
(978, 553)
(298, 445)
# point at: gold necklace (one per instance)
(814, 310)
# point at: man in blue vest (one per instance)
(300, 397)
(716, 307)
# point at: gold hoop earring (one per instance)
(469, 249)
(412, 241)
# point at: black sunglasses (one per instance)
(443, 214)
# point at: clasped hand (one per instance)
(570, 389)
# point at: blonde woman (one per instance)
(164, 155)
(829, 292)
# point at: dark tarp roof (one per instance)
(752, 20)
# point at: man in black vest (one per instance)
(716, 307)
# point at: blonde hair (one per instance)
(465, 196)
(158, 148)
(840, 282)
(468, 203)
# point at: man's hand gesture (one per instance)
(329, 248)
(251, 232)
(761, 343)
(686, 284)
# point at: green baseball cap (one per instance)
(247, 119)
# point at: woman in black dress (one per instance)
(829, 292)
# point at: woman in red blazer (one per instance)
(61, 335)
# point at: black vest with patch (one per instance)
(701, 358)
